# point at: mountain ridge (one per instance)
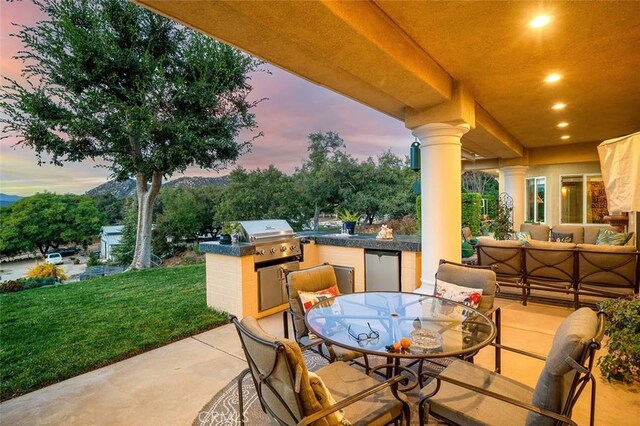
(127, 188)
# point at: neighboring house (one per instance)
(110, 237)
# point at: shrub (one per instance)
(472, 211)
(25, 284)
(93, 260)
(405, 226)
(43, 270)
(10, 286)
(419, 212)
(37, 282)
(622, 363)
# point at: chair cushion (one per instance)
(344, 381)
(465, 295)
(466, 276)
(325, 398)
(556, 377)
(466, 407)
(281, 380)
(310, 298)
(310, 280)
(576, 231)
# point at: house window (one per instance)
(582, 199)
(535, 196)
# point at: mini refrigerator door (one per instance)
(382, 270)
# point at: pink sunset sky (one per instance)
(295, 108)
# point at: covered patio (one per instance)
(525, 88)
(170, 385)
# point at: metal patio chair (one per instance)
(467, 394)
(281, 380)
(311, 280)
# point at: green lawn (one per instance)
(50, 334)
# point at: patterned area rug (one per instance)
(223, 408)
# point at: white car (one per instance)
(55, 258)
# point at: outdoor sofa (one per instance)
(552, 269)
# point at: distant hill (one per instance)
(122, 189)
(128, 188)
(6, 199)
(197, 182)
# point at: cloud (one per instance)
(294, 109)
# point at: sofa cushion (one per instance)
(523, 237)
(591, 232)
(577, 232)
(538, 232)
(559, 237)
(551, 246)
(608, 237)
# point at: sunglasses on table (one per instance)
(373, 334)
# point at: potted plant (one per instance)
(349, 220)
(622, 361)
(229, 233)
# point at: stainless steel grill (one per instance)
(273, 239)
(276, 246)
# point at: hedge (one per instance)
(472, 211)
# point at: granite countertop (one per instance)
(367, 241)
(238, 249)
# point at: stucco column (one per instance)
(440, 169)
(513, 178)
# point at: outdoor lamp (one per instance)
(414, 156)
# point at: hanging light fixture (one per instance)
(414, 156)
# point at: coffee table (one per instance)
(372, 321)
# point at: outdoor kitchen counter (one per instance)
(238, 249)
(365, 241)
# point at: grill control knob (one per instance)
(273, 250)
(283, 248)
(260, 252)
(292, 248)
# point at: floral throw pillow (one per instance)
(523, 237)
(310, 298)
(465, 295)
(612, 238)
(559, 237)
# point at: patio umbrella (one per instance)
(620, 164)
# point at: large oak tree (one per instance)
(107, 80)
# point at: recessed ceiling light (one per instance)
(552, 78)
(565, 137)
(563, 124)
(540, 21)
(558, 106)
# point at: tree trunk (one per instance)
(316, 218)
(146, 198)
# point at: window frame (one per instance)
(584, 199)
(535, 201)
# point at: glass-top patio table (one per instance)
(372, 322)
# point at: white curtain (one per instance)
(620, 164)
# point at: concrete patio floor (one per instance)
(169, 385)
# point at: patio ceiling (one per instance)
(408, 58)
